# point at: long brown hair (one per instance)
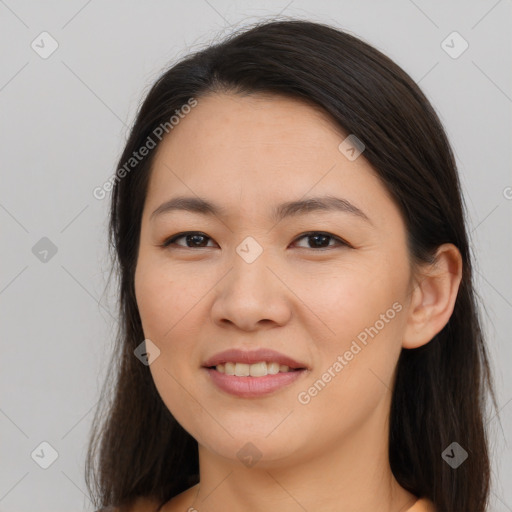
(137, 448)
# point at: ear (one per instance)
(433, 297)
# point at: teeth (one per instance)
(254, 370)
(257, 370)
(272, 368)
(242, 369)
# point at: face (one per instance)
(327, 288)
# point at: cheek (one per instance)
(165, 299)
(364, 311)
(353, 299)
(166, 306)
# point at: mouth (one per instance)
(261, 362)
(252, 374)
(260, 369)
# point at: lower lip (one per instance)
(253, 387)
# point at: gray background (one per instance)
(64, 120)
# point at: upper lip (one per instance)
(252, 356)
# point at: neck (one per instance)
(352, 476)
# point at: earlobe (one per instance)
(433, 297)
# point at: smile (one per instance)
(248, 386)
(253, 370)
(253, 373)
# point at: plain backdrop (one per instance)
(64, 120)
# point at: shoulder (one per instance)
(140, 504)
(182, 501)
(145, 504)
(422, 505)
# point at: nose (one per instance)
(252, 296)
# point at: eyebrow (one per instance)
(284, 210)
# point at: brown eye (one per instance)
(321, 240)
(195, 238)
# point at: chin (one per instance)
(252, 448)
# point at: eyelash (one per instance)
(171, 240)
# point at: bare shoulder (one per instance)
(141, 504)
(180, 503)
(422, 505)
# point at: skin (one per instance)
(249, 153)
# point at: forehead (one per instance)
(232, 137)
(249, 151)
(260, 119)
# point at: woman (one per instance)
(299, 327)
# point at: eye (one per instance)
(194, 237)
(320, 238)
(199, 240)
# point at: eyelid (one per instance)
(168, 241)
(341, 242)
